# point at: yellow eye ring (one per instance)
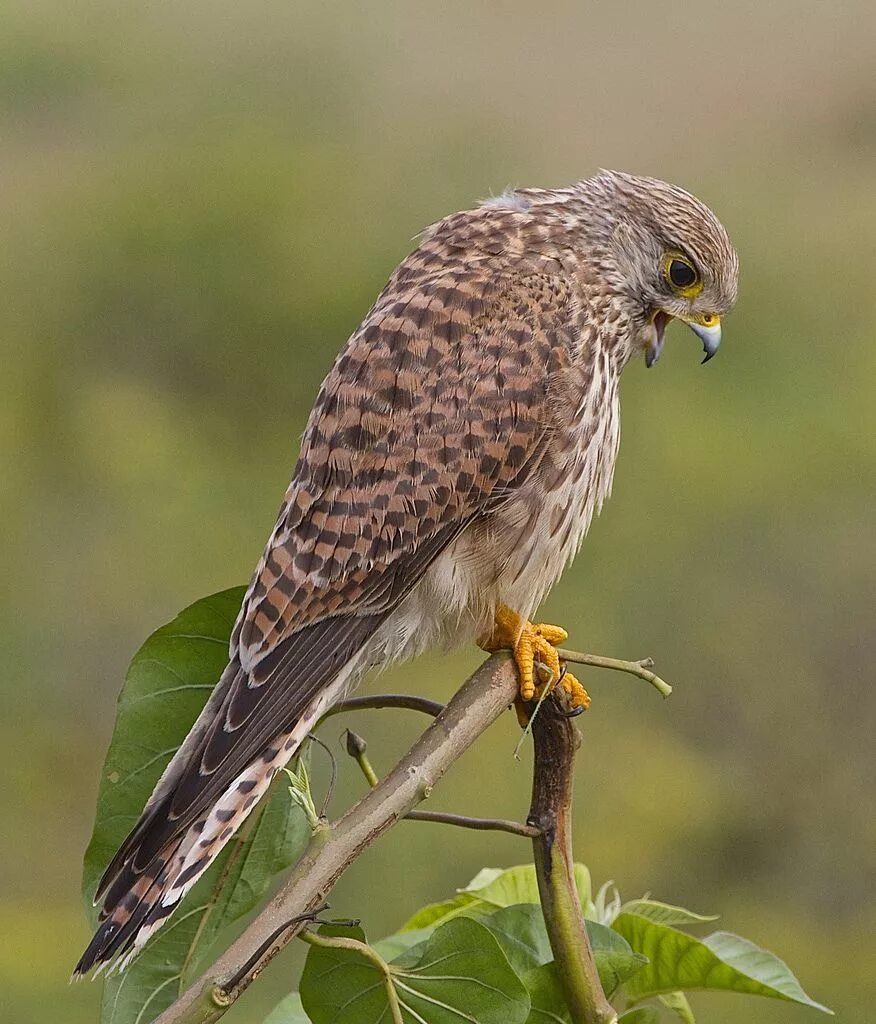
(681, 275)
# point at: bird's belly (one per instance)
(516, 554)
(513, 558)
(548, 540)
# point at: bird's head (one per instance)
(672, 259)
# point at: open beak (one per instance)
(707, 327)
(655, 345)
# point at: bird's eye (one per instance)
(680, 273)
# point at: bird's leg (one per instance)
(534, 647)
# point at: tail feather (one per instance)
(138, 899)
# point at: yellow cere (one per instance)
(706, 320)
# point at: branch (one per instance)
(556, 740)
(480, 701)
(515, 828)
(633, 668)
(333, 848)
(406, 701)
(357, 748)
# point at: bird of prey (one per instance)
(451, 465)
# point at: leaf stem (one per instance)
(516, 828)
(377, 701)
(313, 938)
(633, 668)
(357, 748)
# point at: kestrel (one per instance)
(453, 460)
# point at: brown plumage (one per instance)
(452, 462)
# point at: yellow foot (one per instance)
(534, 647)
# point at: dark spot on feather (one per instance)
(190, 872)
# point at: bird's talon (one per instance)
(534, 646)
(575, 696)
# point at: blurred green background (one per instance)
(198, 202)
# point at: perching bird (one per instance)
(450, 468)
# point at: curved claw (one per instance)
(534, 647)
(571, 713)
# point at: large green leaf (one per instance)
(434, 914)
(394, 945)
(459, 972)
(665, 913)
(615, 961)
(491, 888)
(681, 962)
(751, 961)
(167, 684)
(521, 933)
(545, 995)
(519, 885)
(641, 1015)
(677, 1002)
(288, 1011)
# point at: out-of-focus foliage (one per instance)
(199, 201)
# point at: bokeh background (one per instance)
(198, 202)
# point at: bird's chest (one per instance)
(516, 554)
(558, 505)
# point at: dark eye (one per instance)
(681, 274)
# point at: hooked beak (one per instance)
(707, 327)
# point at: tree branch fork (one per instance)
(485, 695)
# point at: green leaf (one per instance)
(340, 985)
(519, 885)
(677, 1002)
(494, 887)
(722, 961)
(546, 995)
(288, 1011)
(484, 877)
(751, 961)
(521, 933)
(665, 913)
(459, 972)
(168, 682)
(434, 914)
(616, 961)
(394, 945)
(461, 969)
(640, 1015)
